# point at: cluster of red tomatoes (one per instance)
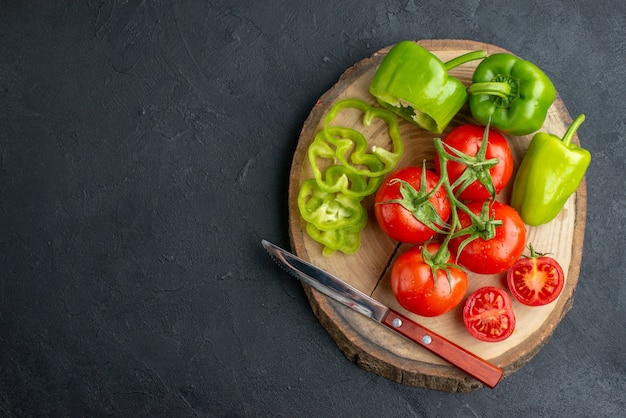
(429, 280)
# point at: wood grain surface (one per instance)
(371, 345)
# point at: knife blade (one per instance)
(344, 293)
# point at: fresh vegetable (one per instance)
(491, 238)
(550, 172)
(481, 168)
(536, 280)
(351, 148)
(345, 239)
(514, 93)
(426, 280)
(333, 219)
(342, 177)
(415, 84)
(328, 211)
(488, 314)
(346, 168)
(409, 207)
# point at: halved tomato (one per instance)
(488, 314)
(536, 280)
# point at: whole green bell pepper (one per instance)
(514, 93)
(414, 83)
(549, 174)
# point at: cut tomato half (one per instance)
(488, 314)
(536, 280)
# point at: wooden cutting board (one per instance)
(369, 344)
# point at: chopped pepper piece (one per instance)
(352, 145)
(346, 239)
(549, 174)
(345, 172)
(514, 93)
(328, 211)
(414, 83)
(344, 177)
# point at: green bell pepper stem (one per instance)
(501, 89)
(465, 58)
(571, 131)
(550, 172)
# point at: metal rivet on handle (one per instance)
(427, 339)
(397, 322)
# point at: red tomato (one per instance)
(467, 139)
(536, 280)
(497, 254)
(488, 314)
(400, 220)
(415, 289)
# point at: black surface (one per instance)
(144, 153)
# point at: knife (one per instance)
(342, 292)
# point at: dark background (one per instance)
(144, 153)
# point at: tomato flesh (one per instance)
(536, 281)
(488, 314)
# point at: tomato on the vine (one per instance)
(495, 255)
(468, 139)
(488, 314)
(405, 211)
(415, 287)
(536, 280)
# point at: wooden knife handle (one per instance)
(473, 365)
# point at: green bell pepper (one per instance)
(414, 83)
(514, 93)
(549, 174)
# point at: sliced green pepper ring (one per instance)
(345, 177)
(346, 240)
(352, 142)
(330, 203)
(328, 211)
